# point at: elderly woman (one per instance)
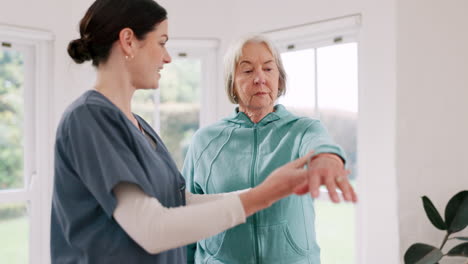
(241, 150)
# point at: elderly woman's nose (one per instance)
(259, 78)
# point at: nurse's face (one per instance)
(150, 58)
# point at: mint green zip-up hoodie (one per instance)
(236, 154)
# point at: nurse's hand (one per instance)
(280, 183)
(328, 169)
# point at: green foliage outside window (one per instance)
(179, 108)
(13, 223)
(11, 119)
(180, 82)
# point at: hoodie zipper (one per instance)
(252, 184)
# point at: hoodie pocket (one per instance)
(294, 245)
(213, 244)
(232, 246)
(279, 246)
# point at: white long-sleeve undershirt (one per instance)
(157, 228)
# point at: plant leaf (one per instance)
(461, 238)
(422, 254)
(459, 251)
(433, 214)
(456, 212)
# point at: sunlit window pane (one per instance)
(338, 96)
(337, 77)
(14, 229)
(335, 227)
(300, 92)
(11, 119)
(179, 105)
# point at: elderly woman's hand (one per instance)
(328, 169)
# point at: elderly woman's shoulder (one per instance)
(293, 114)
(304, 119)
(211, 135)
(298, 123)
(211, 131)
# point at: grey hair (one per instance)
(232, 58)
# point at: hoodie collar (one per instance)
(242, 119)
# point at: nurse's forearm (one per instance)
(192, 199)
(257, 199)
(157, 228)
(252, 202)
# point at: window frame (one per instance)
(37, 137)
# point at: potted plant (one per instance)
(456, 219)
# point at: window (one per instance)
(15, 171)
(175, 110)
(322, 83)
(24, 175)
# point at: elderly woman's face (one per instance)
(256, 78)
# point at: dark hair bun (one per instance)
(78, 50)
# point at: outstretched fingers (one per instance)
(342, 182)
(314, 183)
(331, 187)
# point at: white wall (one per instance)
(376, 134)
(432, 112)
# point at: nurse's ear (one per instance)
(127, 42)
